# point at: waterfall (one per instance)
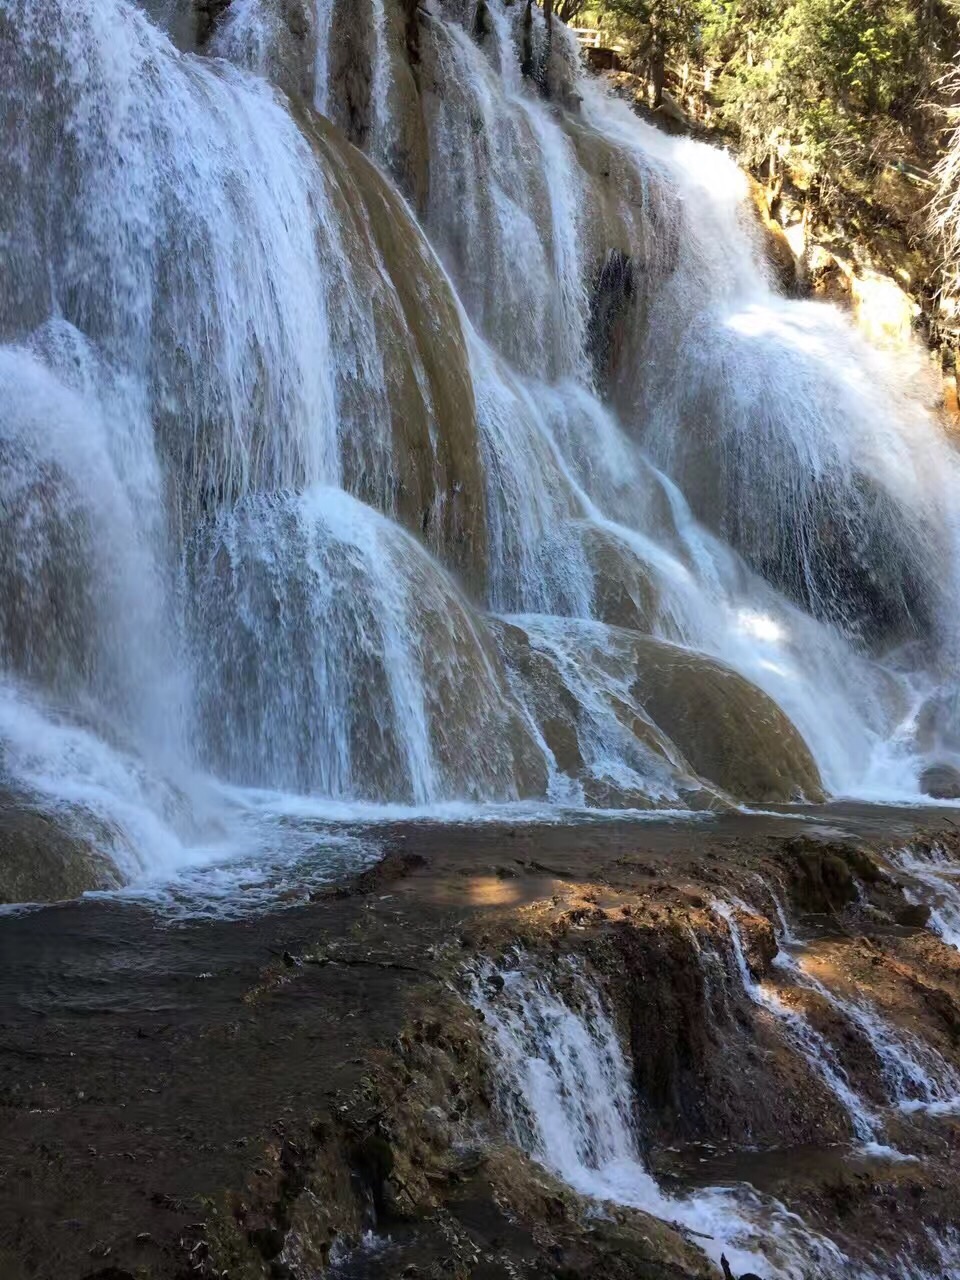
(796, 415)
(485, 468)
(380, 83)
(565, 1093)
(934, 876)
(565, 1096)
(814, 1047)
(917, 1078)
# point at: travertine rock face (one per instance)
(47, 857)
(691, 728)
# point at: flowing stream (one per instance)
(488, 468)
(915, 1075)
(934, 881)
(566, 1097)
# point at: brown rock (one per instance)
(45, 859)
(776, 246)
(914, 915)
(941, 781)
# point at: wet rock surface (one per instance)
(942, 781)
(42, 858)
(309, 1092)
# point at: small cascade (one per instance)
(785, 933)
(381, 124)
(564, 1089)
(808, 1041)
(936, 878)
(321, 61)
(915, 1075)
(303, 575)
(99, 790)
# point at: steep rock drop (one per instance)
(525, 327)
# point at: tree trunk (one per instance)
(658, 69)
(526, 60)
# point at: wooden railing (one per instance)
(594, 38)
(589, 37)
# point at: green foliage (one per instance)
(680, 21)
(813, 76)
(815, 82)
(659, 29)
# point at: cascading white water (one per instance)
(235, 366)
(936, 883)
(809, 448)
(857, 730)
(287, 584)
(564, 1089)
(380, 82)
(813, 1046)
(917, 1078)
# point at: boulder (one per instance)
(416, 457)
(48, 623)
(625, 591)
(776, 247)
(730, 731)
(941, 781)
(938, 725)
(42, 858)
(644, 722)
(915, 915)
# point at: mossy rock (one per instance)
(822, 873)
(626, 592)
(941, 782)
(42, 859)
(730, 731)
(433, 482)
(708, 725)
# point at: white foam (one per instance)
(565, 1091)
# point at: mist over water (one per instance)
(487, 468)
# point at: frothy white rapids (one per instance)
(916, 1076)
(935, 881)
(276, 464)
(566, 1097)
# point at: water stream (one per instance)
(915, 1076)
(807, 1040)
(934, 881)
(566, 1097)
(439, 476)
